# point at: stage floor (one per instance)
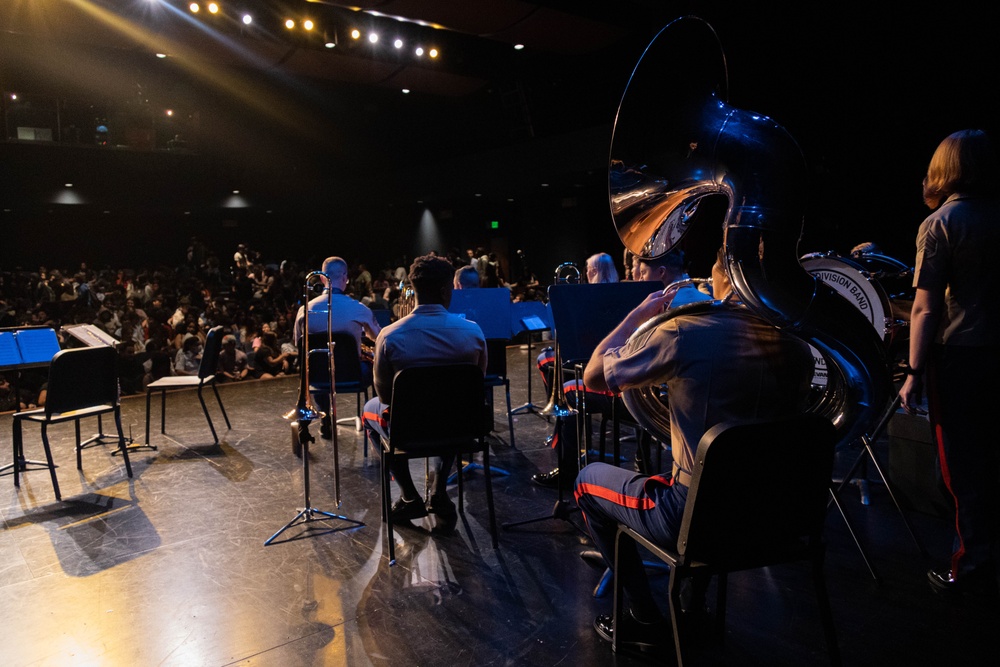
(170, 567)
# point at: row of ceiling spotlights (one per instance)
(308, 25)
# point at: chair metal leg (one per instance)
(489, 495)
(148, 393)
(163, 410)
(510, 415)
(48, 457)
(208, 416)
(221, 406)
(122, 445)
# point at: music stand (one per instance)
(531, 318)
(93, 336)
(20, 348)
(490, 308)
(582, 315)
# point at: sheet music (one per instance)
(37, 346)
(91, 335)
(9, 354)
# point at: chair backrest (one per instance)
(210, 355)
(346, 362)
(82, 377)
(437, 406)
(496, 357)
(757, 487)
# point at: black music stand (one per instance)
(490, 308)
(531, 318)
(93, 336)
(21, 348)
(582, 315)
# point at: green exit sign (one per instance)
(495, 224)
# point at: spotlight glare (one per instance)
(290, 24)
(194, 7)
(433, 53)
(519, 47)
(355, 34)
(169, 112)
(398, 43)
(308, 24)
(213, 8)
(330, 45)
(373, 38)
(247, 19)
(419, 51)
(406, 91)
(161, 55)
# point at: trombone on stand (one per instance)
(305, 413)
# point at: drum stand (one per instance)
(301, 437)
(868, 454)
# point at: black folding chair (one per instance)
(83, 382)
(205, 378)
(758, 498)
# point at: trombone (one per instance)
(305, 412)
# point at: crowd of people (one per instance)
(161, 315)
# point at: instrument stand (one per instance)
(562, 509)
(309, 514)
(868, 454)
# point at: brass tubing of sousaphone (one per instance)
(678, 143)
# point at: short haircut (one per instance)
(431, 277)
(467, 277)
(334, 266)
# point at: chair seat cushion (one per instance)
(172, 381)
(38, 414)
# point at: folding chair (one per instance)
(425, 421)
(758, 498)
(205, 378)
(83, 382)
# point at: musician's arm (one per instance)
(593, 374)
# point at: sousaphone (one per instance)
(682, 157)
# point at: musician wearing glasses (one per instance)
(346, 316)
(718, 365)
(429, 335)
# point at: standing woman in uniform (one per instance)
(955, 338)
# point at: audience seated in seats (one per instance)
(188, 358)
(233, 363)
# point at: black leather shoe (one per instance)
(445, 514)
(405, 511)
(942, 580)
(636, 636)
(978, 584)
(550, 479)
(326, 432)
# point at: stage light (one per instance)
(398, 43)
(355, 34)
(373, 38)
(433, 53)
(194, 7)
(247, 19)
(169, 112)
(161, 55)
(419, 51)
(308, 24)
(406, 91)
(518, 47)
(213, 8)
(330, 45)
(290, 24)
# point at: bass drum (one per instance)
(861, 280)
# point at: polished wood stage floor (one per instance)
(171, 567)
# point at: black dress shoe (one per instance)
(636, 636)
(326, 432)
(405, 511)
(550, 479)
(445, 514)
(980, 583)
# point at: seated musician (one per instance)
(667, 269)
(427, 336)
(345, 315)
(718, 365)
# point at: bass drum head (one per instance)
(854, 283)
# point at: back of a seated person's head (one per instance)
(466, 278)
(431, 277)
